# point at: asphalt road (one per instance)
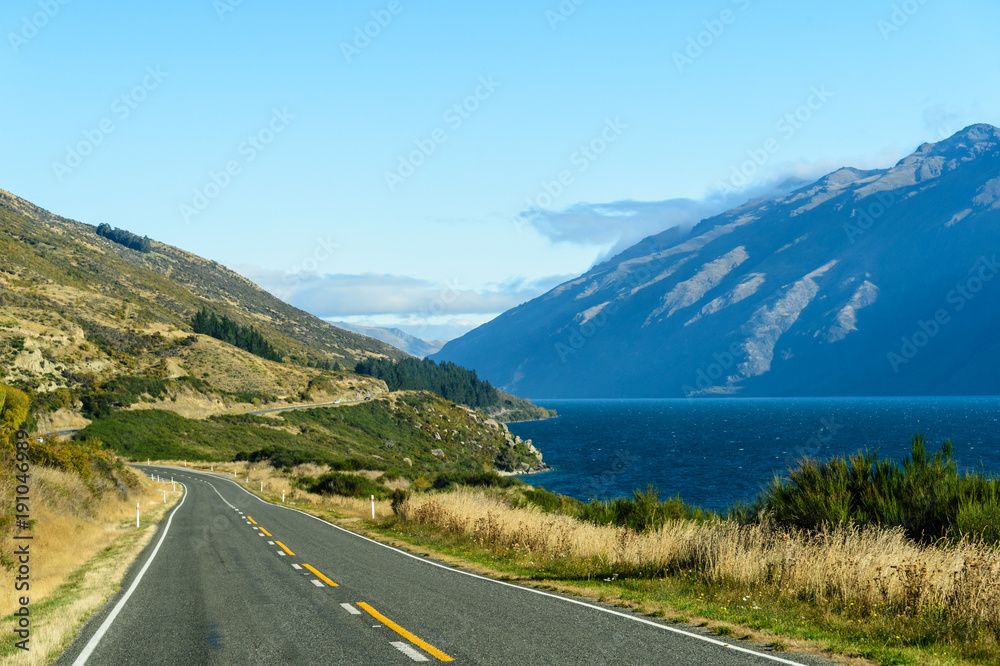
(231, 579)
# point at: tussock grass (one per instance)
(82, 546)
(876, 578)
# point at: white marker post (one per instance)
(147, 462)
(282, 496)
(137, 515)
(164, 496)
(261, 486)
(373, 507)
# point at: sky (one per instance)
(429, 165)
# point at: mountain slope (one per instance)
(401, 340)
(863, 283)
(65, 260)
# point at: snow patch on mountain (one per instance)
(847, 318)
(989, 195)
(744, 290)
(689, 292)
(588, 314)
(768, 324)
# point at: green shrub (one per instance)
(348, 485)
(925, 495)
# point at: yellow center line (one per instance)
(266, 533)
(284, 547)
(251, 520)
(427, 647)
(320, 576)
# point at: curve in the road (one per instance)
(210, 591)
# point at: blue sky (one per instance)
(461, 158)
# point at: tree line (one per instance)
(223, 328)
(126, 238)
(450, 381)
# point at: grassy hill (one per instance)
(97, 329)
(61, 268)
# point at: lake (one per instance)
(719, 451)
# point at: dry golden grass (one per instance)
(262, 479)
(81, 549)
(868, 567)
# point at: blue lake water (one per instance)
(717, 452)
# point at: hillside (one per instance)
(79, 311)
(863, 283)
(60, 265)
(99, 330)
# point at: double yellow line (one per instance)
(413, 638)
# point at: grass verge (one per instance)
(78, 563)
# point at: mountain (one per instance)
(863, 283)
(399, 339)
(93, 319)
(68, 260)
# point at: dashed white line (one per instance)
(317, 583)
(270, 543)
(408, 651)
(295, 566)
(282, 553)
(350, 609)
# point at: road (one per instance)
(231, 579)
(69, 432)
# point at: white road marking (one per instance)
(529, 590)
(295, 566)
(408, 651)
(96, 638)
(282, 553)
(317, 583)
(270, 543)
(350, 609)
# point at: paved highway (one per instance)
(231, 579)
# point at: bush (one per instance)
(471, 478)
(643, 511)
(925, 495)
(348, 485)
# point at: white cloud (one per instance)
(343, 296)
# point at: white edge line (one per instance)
(96, 638)
(532, 590)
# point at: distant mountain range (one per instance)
(881, 282)
(399, 339)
